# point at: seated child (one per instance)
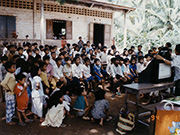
(140, 64)
(97, 72)
(127, 72)
(101, 106)
(133, 68)
(56, 111)
(81, 105)
(87, 72)
(21, 98)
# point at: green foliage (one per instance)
(153, 23)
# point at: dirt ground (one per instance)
(75, 125)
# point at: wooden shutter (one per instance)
(68, 30)
(107, 35)
(49, 29)
(91, 32)
(11, 25)
(3, 27)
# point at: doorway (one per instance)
(98, 34)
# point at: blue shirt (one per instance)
(80, 103)
(97, 69)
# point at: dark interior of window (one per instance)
(59, 29)
(7, 26)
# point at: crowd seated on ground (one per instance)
(40, 80)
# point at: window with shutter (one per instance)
(49, 29)
(68, 30)
(7, 26)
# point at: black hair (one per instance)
(100, 94)
(113, 60)
(4, 58)
(41, 46)
(58, 59)
(80, 37)
(147, 55)
(5, 43)
(132, 47)
(10, 46)
(28, 51)
(75, 58)
(34, 71)
(46, 46)
(8, 65)
(82, 55)
(84, 48)
(113, 47)
(88, 42)
(38, 56)
(77, 55)
(168, 44)
(140, 58)
(41, 64)
(126, 60)
(96, 60)
(67, 59)
(45, 49)
(19, 48)
(80, 90)
(68, 44)
(74, 44)
(178, 48)
(53, 53)
(20, 77)
(139, 46)
(16, 56)
(86, 59)
(46, 57)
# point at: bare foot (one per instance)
(3, 118)
(10, 123)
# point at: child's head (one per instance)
(168, 45)
(88, 43)
(113, 60)
(21, 78)
(177, 49)
(10, 67)
(81, 91)
(133, 61)
(29, 52)
(83, 50)
(68, 61)
(97, 62)
(35, 71)
(20, 50)
(36, 51)
(46, 59)
(100, 94)
(43, 66)
(140, 53)
(77, 60)
(41, 47)
(46, 51)
(126, 61)
(148, 57)
(53, 55)
(11, 48)
(141, 59)
(90, 51)
(133, 48)
(87, 61)
(121, 60)
(58, 61)
(4, 59)
(139, 47)
(104, 48)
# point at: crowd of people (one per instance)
(42, 79)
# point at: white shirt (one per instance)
(126, 69)
(39, 92)
(109, 69)
(140, 67)
(67, 70)
(103, 56)
(75, 52)
(86, 71)
(58, 71)
(52, 62)
(5, 51)
(77, 70)
(116, 71)
(25, 53)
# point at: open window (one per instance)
(7, 26)
(55, 29)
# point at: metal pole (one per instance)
(125, 30)
(42, 22)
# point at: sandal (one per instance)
(108, 119)
(29, 121)
(86, 118)
(22, 124)
(11, 123)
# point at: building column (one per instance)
(125, 30)
(34, 19)
(112, 40)
(42, 22)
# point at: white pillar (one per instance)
(42, 22)
(125, 30)
(112, 30)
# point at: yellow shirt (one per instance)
(44, 79)
(9, 83)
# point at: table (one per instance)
(143, 88)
